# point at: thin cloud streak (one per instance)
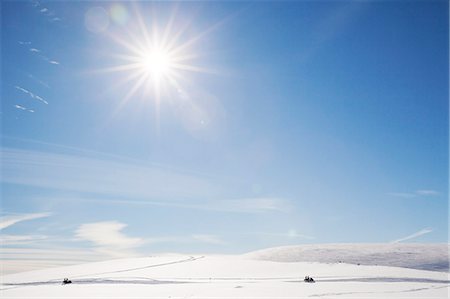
(402, 194)
(415, 235)
(291, 234)
(194, 238)
(45, 11)
(126, 183)
(31, 94)
(23, 108)
(37, 80)
(8, 240)
(114, 178)
(427, 192)
(39, 53)
(258, 205)
(417, 193)
(8, 221)
(119, 182)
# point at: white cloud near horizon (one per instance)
(209, 239)
(7, 221)
(293, 234)
(108, 238)
(19, 259)
(290, 234)
(414, 235)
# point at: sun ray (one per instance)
(158, 59)
(192, 68)
(118, 68)
(130, 93)
(133, 48)
(168, 28)
(141, 24)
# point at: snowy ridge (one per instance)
(433, 257)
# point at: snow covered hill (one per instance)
(178, 276)
(434, 257)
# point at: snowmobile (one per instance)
(66, 281)
(309, 279)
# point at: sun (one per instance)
(158, 59)
(156, 63)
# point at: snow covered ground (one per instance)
(214, 276)
(433, 257)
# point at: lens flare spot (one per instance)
(96, 19)
(119, 14)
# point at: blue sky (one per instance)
(270, 124)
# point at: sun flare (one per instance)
(156, 63)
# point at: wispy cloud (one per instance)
(427, 192)
(290, 234)
(20, 259)
(118, 181)
(402, 194)
(414, 235)
(108, 238)
(256, 204)
(7, 221)
(38, 52)
(37, 80)
(293, 234)
(101, 176)
(48, 13)
(20, 239)
(209, 239)
(105, 246)
(231, 205)
(417, 193)
(10, 220)
(23, 108)
(31, 94)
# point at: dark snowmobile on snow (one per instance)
(66, 281)
(309, 279)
